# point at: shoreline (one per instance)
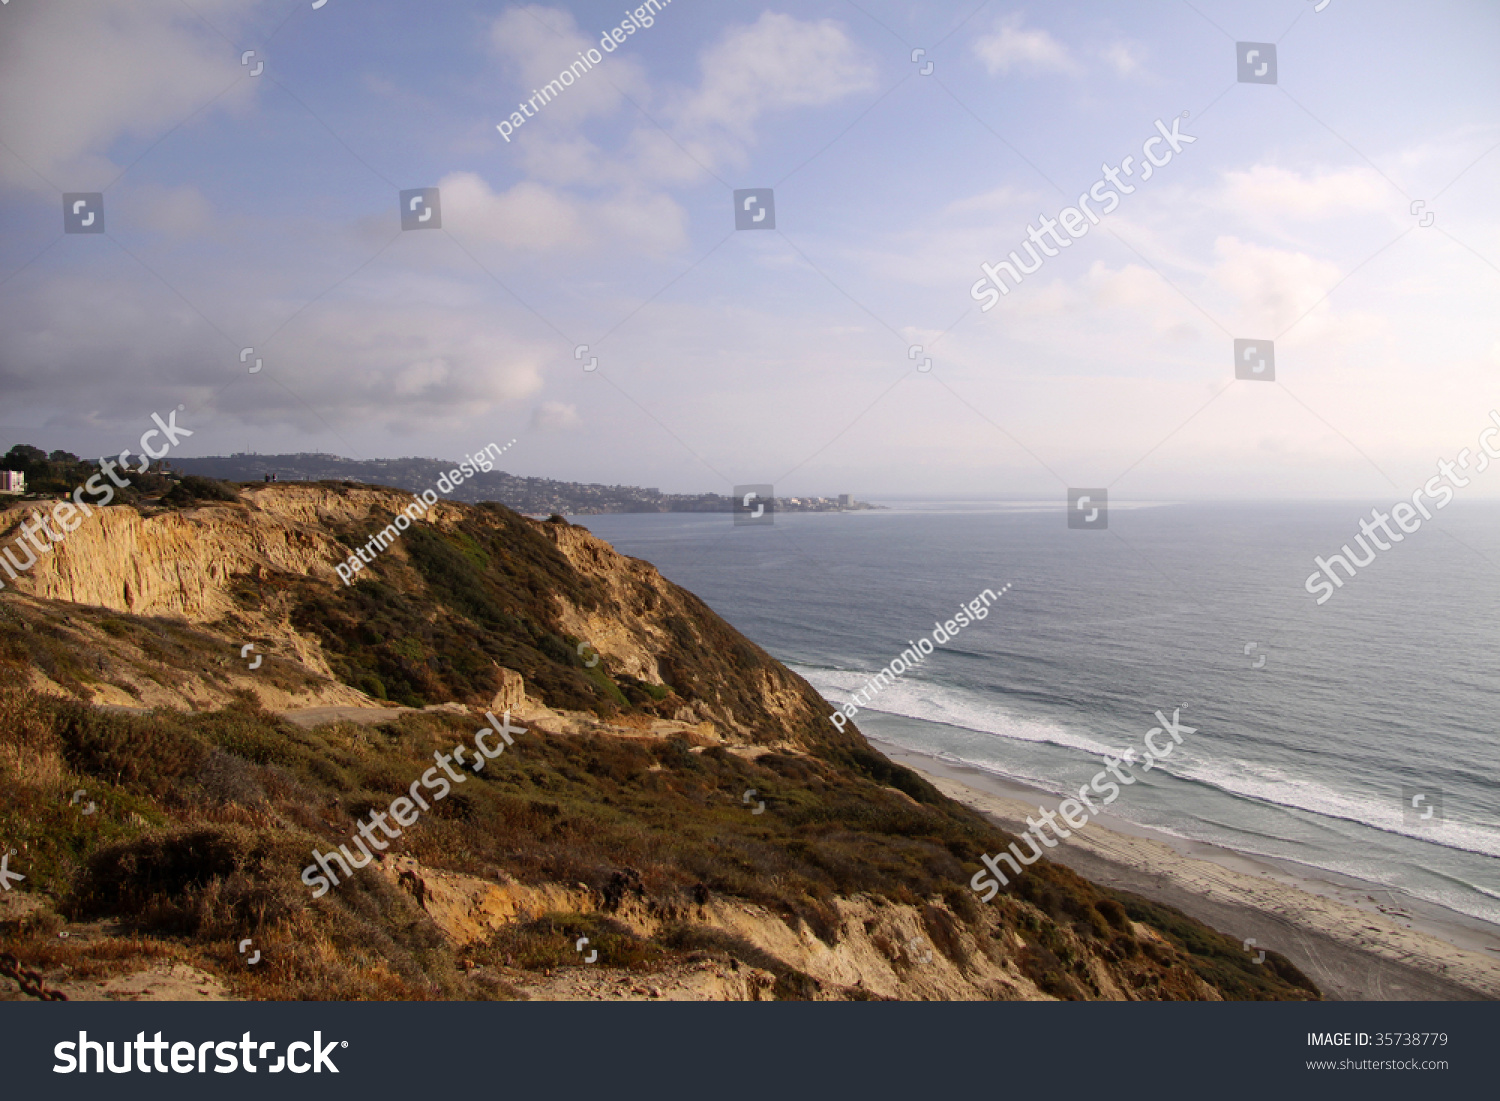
(1334, 928)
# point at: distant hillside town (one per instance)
(533, 496)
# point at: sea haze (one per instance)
(1388, 686)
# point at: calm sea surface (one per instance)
(1389, 691)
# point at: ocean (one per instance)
(1357, 737)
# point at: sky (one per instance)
(254, 273)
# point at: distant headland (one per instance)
(534, 496)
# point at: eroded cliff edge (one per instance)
(622, 814)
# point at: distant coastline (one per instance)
(532, 496)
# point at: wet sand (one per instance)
(1356, 942)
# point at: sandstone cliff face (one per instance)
(240, 572)
(182, 563)
(656, 631)
(883, 949)
(185, 566)
(623, 628)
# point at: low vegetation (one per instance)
(193, 490)
(204, 822)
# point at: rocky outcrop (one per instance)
(173, 563)
(882, 950)
(187, 565)
(512, 693)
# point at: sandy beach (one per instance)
(1357, 942)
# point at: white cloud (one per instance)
(402, 364)
(554, 416)
(537, 43)
(530, 216)
(379, 361)
(1278, 192)
(1140, 291)
(533, 217)
(75, 75)
(776, 63)
(1124, 57)
(1274, 287)
(1011, 46)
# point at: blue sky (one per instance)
(261, 211)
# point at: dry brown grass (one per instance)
(205, 822)
(32, 768)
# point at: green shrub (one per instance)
(551, 941)
(148, 754)
(193, 489)
(207, 881)
(1221, 960)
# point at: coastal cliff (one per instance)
(675, 798)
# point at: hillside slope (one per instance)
(676, 796)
